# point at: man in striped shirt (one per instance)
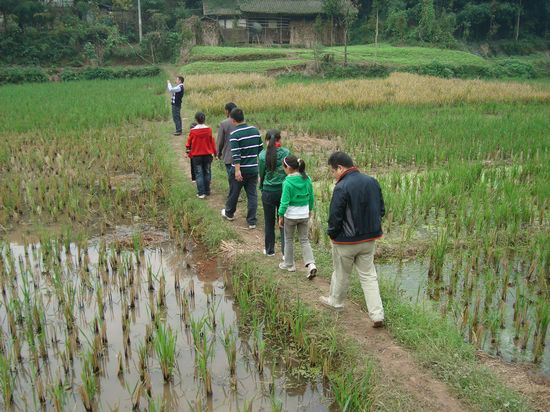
(246, 144)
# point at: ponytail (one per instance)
(272, 136)
(297, 164)
(302, 168)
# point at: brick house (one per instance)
(291, 22)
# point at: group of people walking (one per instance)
(356, 207)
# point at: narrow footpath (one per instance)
(397, 364)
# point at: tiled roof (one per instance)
(221, 8)
(236, 7)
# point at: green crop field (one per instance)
(463, 166)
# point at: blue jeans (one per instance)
(249, 183)
(203, 174)
(271, 202)
(176, 116)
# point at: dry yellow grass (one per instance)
(224, 82)
(399, 88)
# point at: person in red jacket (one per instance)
(201, 149)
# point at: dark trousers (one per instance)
(271, 202)
(193, 177)
(176, 116)
(249, 183)
(203, 174)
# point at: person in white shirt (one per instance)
(177, 97)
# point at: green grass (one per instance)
(256, 66)
(80, 105)
(215, 52)
(404, 56)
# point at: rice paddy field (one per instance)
(464, 169)
(108, 303)
(104, 306)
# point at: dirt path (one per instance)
(397, 365)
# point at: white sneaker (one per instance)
(311, 271)
(268, 254)
(326, 301)
(226, 217)
(285, 267)
(201, 196)
(252, 226)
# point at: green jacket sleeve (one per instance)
(261, 164)
(285, 199)
(311, 195)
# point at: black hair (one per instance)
(340, 159)
(271, 137)
(237, 115)
(200, 117)
(229, 106)
(181, 78)
(296, 164)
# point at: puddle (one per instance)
(43, 277)
(412, 279)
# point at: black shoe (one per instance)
(177, 133)
(378, 324)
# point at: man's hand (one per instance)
(238, 176)
(281, 221)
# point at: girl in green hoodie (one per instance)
(294, 212)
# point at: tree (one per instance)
(343, 13)
(426, 26)
(518, 15)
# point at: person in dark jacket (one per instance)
(223, 143)
(354, 224)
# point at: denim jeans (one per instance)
(202, 166)
(271, 202)
(249, 183)
(176, 116)
(193, 177)
(303, 236)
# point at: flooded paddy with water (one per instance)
(497, 322)
(107, 325)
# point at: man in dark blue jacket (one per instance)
(354, 224)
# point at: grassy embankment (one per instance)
(474, 175)
(208, 59)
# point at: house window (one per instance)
(241, 23)
(272, 24)
(221, 23)
(229, 24)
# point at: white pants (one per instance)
(344, 257)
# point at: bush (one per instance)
(22, 75)
(336, 71)
(105, 73)
(514, 68)
(505, 69)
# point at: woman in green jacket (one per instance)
(271, 185)
(294, 212)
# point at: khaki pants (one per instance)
(344, 257)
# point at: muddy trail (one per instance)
(397, 365)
